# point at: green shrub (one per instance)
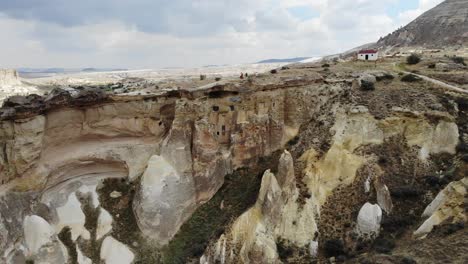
(410, 78)
(334, 248)
(458, 60)
(385, 76)
(384, 245)
(413, 59)
(293, 141)
(367, 86)
(284, 250)
(326, 65)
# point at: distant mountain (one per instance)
(101, 69)
(298, 59)
(444, 25)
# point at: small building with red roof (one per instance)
(368, 55)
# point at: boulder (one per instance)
(368, 221)
(366, 78)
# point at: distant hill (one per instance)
(101, 69)
(298, 59)
(444, 25)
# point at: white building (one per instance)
(368, 55)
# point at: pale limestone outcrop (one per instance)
(42, 243)
(11, 84)
(37, 233)
(71, 215)
(161, 204)
(368, 220)
(449, 205)
(114, 252)
(9, 77)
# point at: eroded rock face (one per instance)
(42, 243)
(449, 205)
(174, 150)
(164, 200)
(276, 215)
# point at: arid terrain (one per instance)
(330, 161)
(178, 175)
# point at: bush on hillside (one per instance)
(367, 86)
(385, 76)
(334, 248)
(410, 78)
(413, 59)
(458, 60)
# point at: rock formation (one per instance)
(11, 84)
(250, 171)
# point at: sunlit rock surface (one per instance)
(112, 251)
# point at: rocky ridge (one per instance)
(444, 25)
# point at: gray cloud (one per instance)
(180, 17)
(159, 33)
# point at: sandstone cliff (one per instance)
(292, 167)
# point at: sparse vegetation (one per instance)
(293, 141)
(218, 79)
(284, 250)
(410, 78)
(385, 76)
(405, 192)
(383, 245)
(431, 66)
(326, 65)
(334, 248)
(202, 77)
(458, 60)
(413, 59)
(367, 86)
(238, 193)
(66, 238)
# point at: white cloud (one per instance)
(186, 33)
(409, 15)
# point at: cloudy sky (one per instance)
(187, 33)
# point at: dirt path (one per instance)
(434, 81)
